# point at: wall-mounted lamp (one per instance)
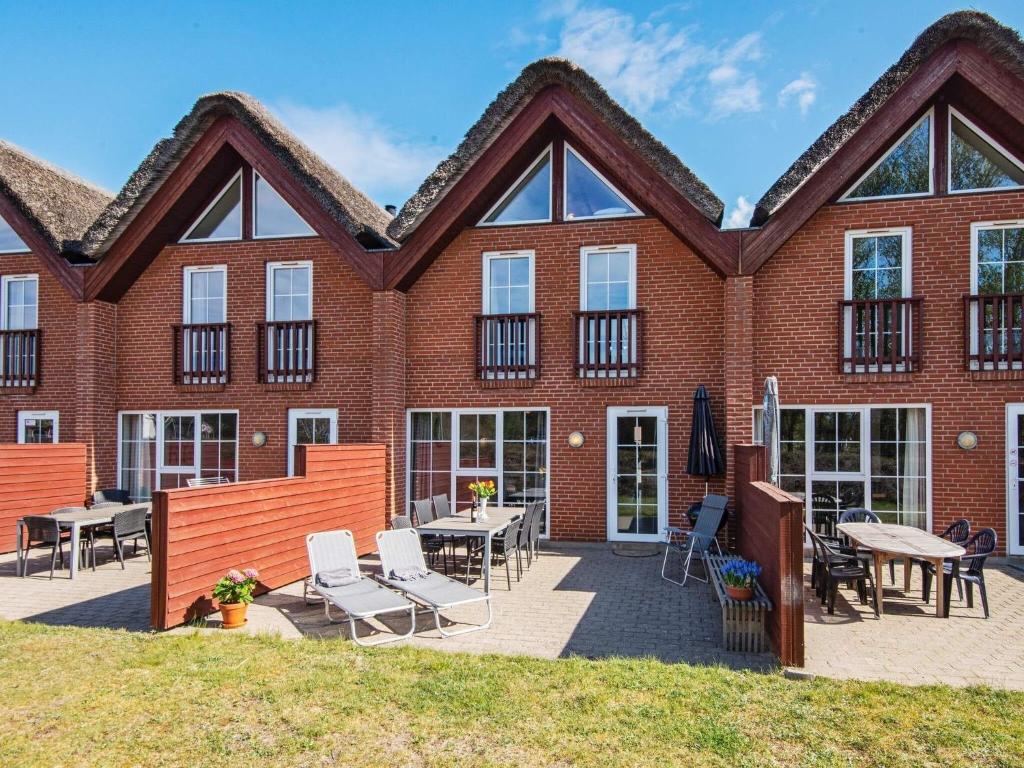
(259, 439)
(967, 440)
(576, 440)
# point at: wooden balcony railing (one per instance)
(507, 346)
(19, 358)
(609, 343)
(286, 352)
(992, 331)
(202, 353)
(880, 335)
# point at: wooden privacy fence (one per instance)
(36, 479)
(201, 533)
(769, 530)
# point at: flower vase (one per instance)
(481, 513)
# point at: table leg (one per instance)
(940, 588)
(19, 567)
(879, 567)
(907, 568)
(75, 535)
(487, 564)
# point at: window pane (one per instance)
(905, 170)
(273, 217)
(990, 245)
(990, 278)
(864, 252)
(499, 272)
(9, 240)
(586, 195)
(519, 270)
(224, 219)
(976, 164)
(530, 200)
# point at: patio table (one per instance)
(460, 524)
(888, 542)
(75, 522)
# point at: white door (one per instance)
(1014, 479)
(637, 474)
(310, 427)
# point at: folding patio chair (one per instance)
(405, 569)
(699, 541)
(334, 552)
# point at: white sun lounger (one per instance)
(362, 600)
(400, 551)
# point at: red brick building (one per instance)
(541, 311)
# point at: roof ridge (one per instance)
(53, 168)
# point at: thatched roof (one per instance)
(59, 205)
(509, 103)
(356, 212)
(1003, 44)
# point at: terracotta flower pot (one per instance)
(739, 593)
(234, 615)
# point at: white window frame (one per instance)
(272, 266)
(549, 150)
(976, 228)
(216, 199)
(23, 416)
(930, 114)
(985, 137)
(490, 256)
(256, 176)
(26, 249)
(589, 249)
(187, 272)
(294, 414)
(499, 430)
(565, 190)
(5, 281)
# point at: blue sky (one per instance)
(385, 90)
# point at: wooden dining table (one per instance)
(463, 523)
(889, 542)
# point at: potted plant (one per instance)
(740, 576)
(483, 490)
(234, 593)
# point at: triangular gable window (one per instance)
(272, 216)
(222, 220)
(528, 201)
(904, 170)
(976, 162)
(588, 195)
(9, 240)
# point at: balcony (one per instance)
(507, 346)
(202, 353)
(880, 335)
(992, 332)
(609, 343)
(286, 352)
(19, 358)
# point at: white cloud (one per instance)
(733, 90)
(804, 90)
(376, 158)
(740, 214)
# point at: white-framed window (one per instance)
(19, 302)
(528, 200)
(996, 316)
(977, 163)
(508, 282)
(507, 333)
(38, 427)
(10, 242)
(588, 194)
(290, 331)
(289, 291)
(607, 277)
(221, 219)
(204, 337)
(906, 170)
(272, 216)
(878, 264)
(310, 426)
(205, 292)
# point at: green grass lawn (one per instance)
(99, 697)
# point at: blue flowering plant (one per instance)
(740, 573)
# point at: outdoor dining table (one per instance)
(888, 542)
(462, 524)
(74, 522)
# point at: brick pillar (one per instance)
(739, 368)
(389, 390)
(95, 392)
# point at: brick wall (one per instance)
(389, 389)
(95, 423)
(684, 330)
(795, 297)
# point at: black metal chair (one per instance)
(129, 525)
(504, 546)
(861, 515)
(979, 547)
(43, 532)
(433, 544)
(958, 532)
(840, 564)
(539, 508)
(118, 495)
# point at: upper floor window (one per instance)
(608, 279)
(508, 283)
(588, 194)
(997, 264)
(20, 299)
(528, 201)
(9, 240)
(272, 216)
(976, 162)
(904, 171)
(222, 219)
(289, 291)
(205, 295)
(878, 264)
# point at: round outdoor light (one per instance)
(259, 439)
(576, 440)
(967, 440)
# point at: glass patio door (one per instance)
(637, 474)
(1014, 479)
(310, 427)
(178, 455)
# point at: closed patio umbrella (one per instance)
(705, 458)
(770, 427)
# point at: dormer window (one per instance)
(9, 240)
(588, 194)
(976, 162)
(272, 216)
(528, 201)
(903, 171)
(222, 219)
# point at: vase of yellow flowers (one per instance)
(482, 490)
